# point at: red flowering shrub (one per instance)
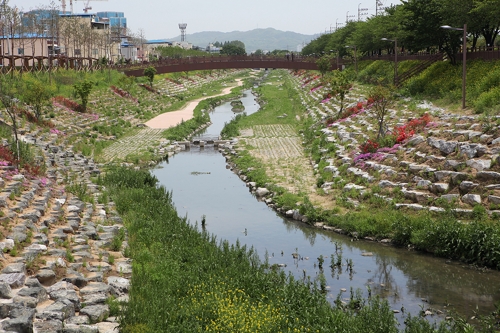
(122, 93)
(402, 133)
(369, 147)
(148, 88)
(68, 103)
(32, 119)
(7, 155)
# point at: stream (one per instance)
(410, 281)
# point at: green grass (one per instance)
(187, 281)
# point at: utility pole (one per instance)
(337, 24)
(361, 12)
(378, 5)
(347, 17)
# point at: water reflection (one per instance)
(406, 279)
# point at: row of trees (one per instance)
(416, 24)
(39, 30)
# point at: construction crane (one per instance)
(63, 6)
(87, 7)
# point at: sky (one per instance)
(160, 18)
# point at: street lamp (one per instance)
(464, 57)
(355, 58)
(337, 58)
(395, 40)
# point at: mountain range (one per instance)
(268, 39)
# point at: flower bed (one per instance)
(56, 102)
(148, 88)
(67, 104)
(123, 93)
(32, 119)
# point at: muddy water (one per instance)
(201, 185)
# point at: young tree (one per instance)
(10, 87)
(324, 64)
(37, 94)
(150, 74)
(82, 90)
(338, 85)
(382, 99)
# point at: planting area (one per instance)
(279, 148)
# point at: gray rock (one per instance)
(5, 290)
(439, 187)
(479, 165)
(457, 177)
(96, 313)
(66, 294)
(450, 197)
(494, 199)
(7, 244)
(95, 287)
(467, 186)
(46, 277)
(471, 199)
(119, 286)
(472, 150)
(106, 327)
(94, 299)
(26, 301)
(14, 268)
(32, 282)
(59, 310)
(36, 292)
(15, 280)
(386, 183)
(77, 320)
(21, 320)
(440, 175)
(415, 196)
(488, 176)
(424, 183)
(446, 147)
(123, 267)
(49, 326)
(454, 165)
(415, 140)
(75, 328)
(261, 192)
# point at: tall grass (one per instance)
(187, 281)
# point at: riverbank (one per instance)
(395, 195)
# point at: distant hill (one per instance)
(265, 39)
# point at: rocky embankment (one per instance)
(450, 161)
(62, 258)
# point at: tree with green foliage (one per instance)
(338, 85)
(150, 74)
(324, 64)
(83, 89)
(37, 94)
(126, 82)
(382, 99)
(232, 49)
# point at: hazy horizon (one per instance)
(160, 19)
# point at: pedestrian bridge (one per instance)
(221, 62)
